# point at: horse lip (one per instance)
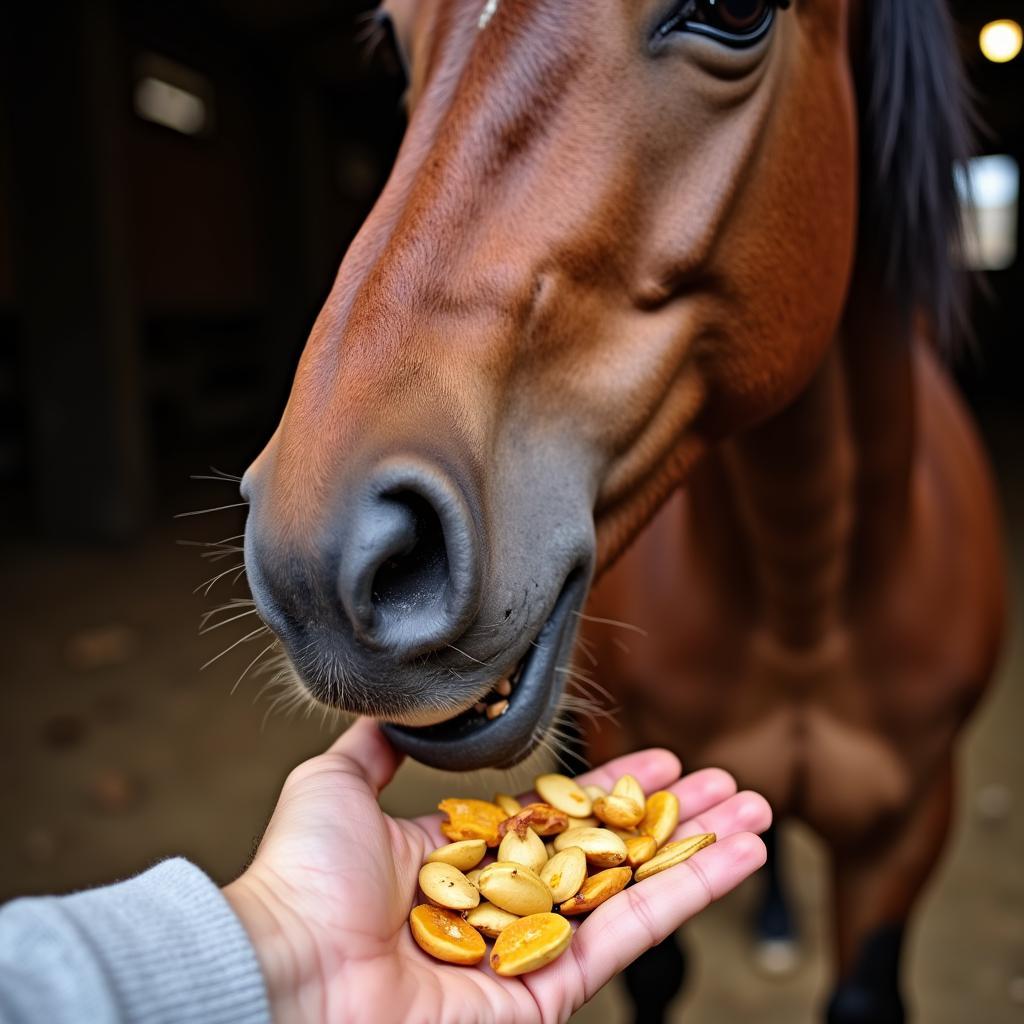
(467, 741)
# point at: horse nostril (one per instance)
(418, 567)
(408, 577)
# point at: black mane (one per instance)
(915, 126)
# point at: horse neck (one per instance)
(820, 492)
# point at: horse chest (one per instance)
(815, 739)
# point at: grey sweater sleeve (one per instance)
(164, 946)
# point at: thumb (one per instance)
(368, 752)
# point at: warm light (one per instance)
(1001, 40)
(166, 104)
(172, 95)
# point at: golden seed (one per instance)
(542, 818)
(503, 688)
(498, 708)
(515, 888)
(661, 816)
(509, 804)
(596, 889)
(639, 850)
(620, 811)
(674, 853)
(471, 819)
(530, 943)
(448, 887)
(625, 834)
(563, 793)
(527, 849)
(446, 936)
(594, 792)
(565, 873)
(464, 855)
(602, 848)
(490, 920)
(628, 787)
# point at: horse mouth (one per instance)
(499, 736)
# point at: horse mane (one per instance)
(916, 125)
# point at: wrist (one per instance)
(286, 952)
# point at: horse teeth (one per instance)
(503, 688)
(497, 709)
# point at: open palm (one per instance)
(328, 896)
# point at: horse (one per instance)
(647, 325)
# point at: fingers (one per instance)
(701, 790)
(642, 915)
(742, 812)
(368, 751)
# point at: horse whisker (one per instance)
(234, 618)
(612, 622)
(269, 647)
(209, 584)
(242, 640)
(205, 511)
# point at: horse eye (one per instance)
(734, 22)
(739, 15)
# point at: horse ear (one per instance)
(916, 125)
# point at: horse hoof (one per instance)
(777, 958)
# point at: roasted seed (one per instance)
(527, 849)
(620, 811)
(509, 804)
(530, 943)
(490, 920)
(515, 888)
(674, 853)
(542, 818)
(563, 793)
(661, 816)
(602, 848)
(503, 688)
(471, 819)
(596, 889)
(498, 708)
(464, 855)
(446, 936)
(639, 850)
(628, 787)
(448, 887)
(564, 873)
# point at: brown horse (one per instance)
(627, 247)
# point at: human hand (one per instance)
(327, 898)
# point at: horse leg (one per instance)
(654, 979)
(875, 890)
(774, 928)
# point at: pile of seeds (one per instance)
(596, 844)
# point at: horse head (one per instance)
(614, 234)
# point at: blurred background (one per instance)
(178, 183)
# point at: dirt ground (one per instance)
(117, 751)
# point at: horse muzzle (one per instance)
(389, 609)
